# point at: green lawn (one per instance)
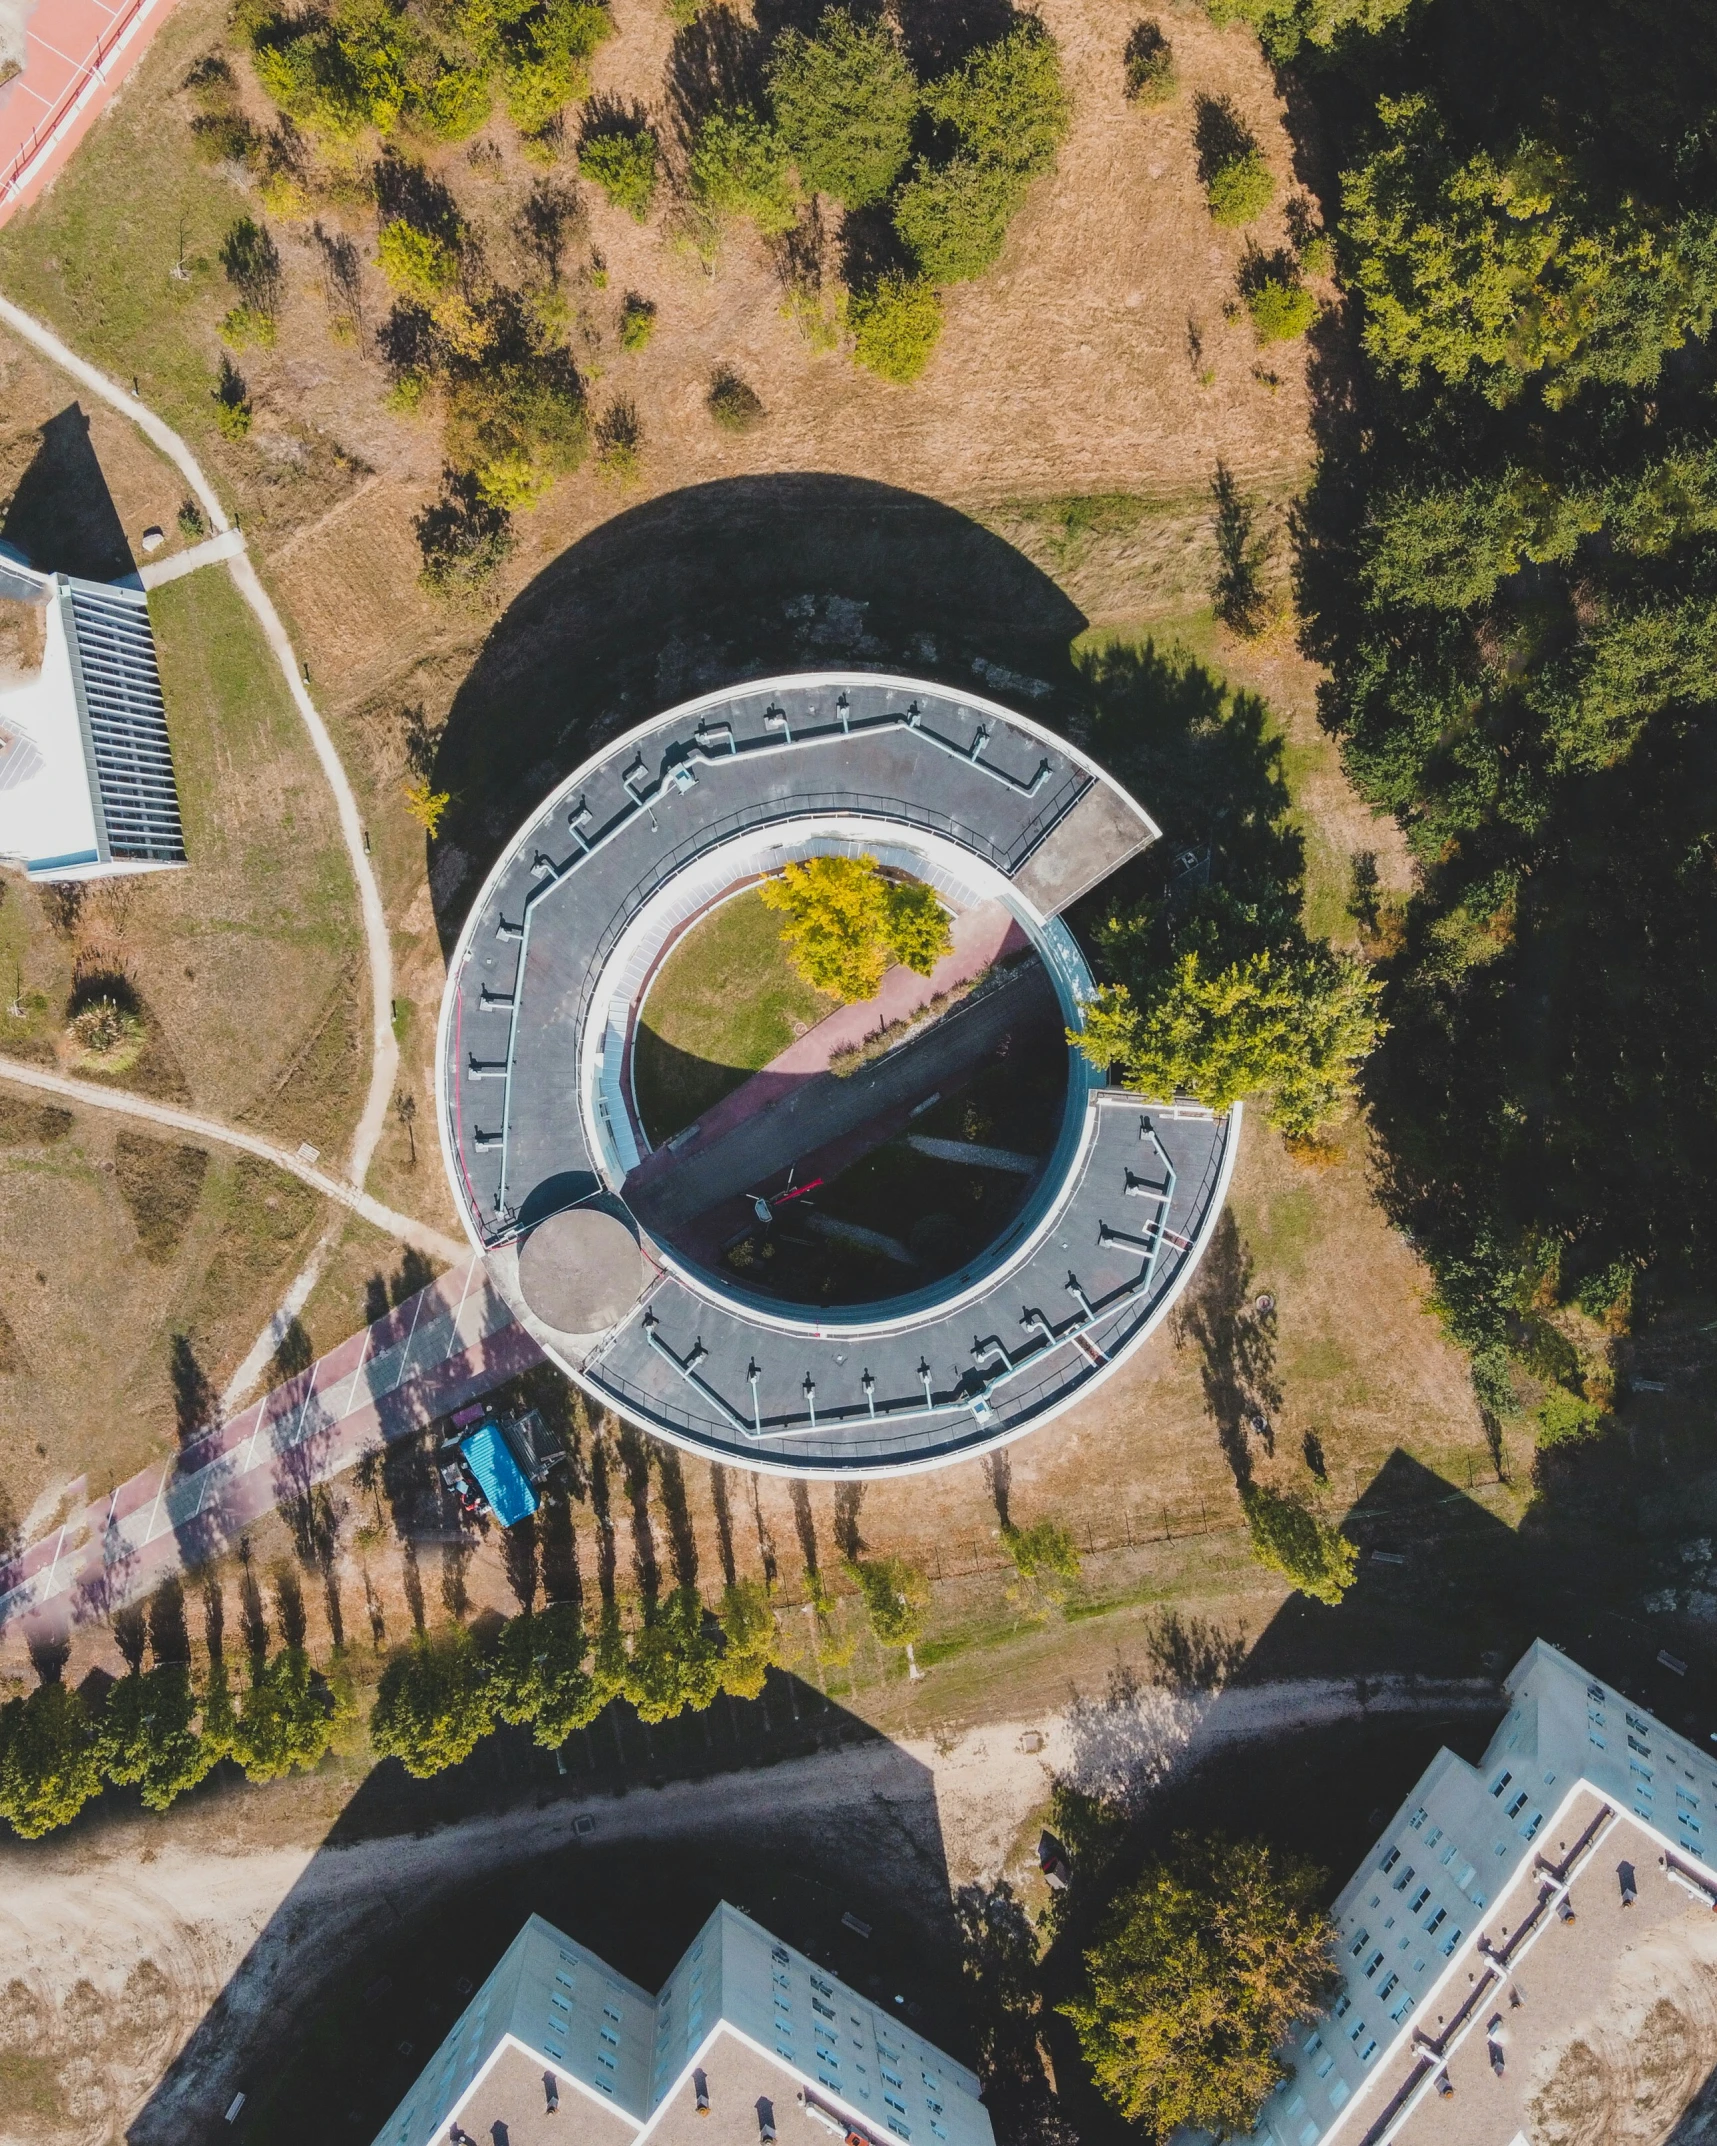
(97, 255)
(725, 1002)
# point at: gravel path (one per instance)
(384, 1049)
(266, 1922)
(97, 1095)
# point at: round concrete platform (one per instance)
(581, 1271)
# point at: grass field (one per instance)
(134, 1273)
(248, 970)
(725, 1002)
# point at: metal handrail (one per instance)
(759, 813)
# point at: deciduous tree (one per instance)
(1205, 1965)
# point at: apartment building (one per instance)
(746, 2040)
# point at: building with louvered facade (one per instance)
(86, 771)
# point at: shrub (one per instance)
(896, 1595)
(426, 806)
(732, 403)
(1149, 64)
(739, 166)
(1240, 192)
(107, 1035)
(417, 262)
(1279, 303)
(1231, 168)
(433, 1706)
(232, 400)
(845, 100)
(339, 73)
(223, 138)
(620, 154)
(955, 216)
(619, 440)
(1564, 1419)
(516, 424)
(241, 326)
(1008, 111)
(456, 103)
(545, 60)
(1203, 1967)
(896, 324)
(1289, 1538)
(1044, 1551)
(1317, 255)
(463, 537)
(637, 321)
(1006, 102)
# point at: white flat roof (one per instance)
(86, 774)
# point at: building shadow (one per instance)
(714, 585)
(1352, 1703)
(61, 516)
(627, 1849)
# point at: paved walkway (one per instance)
(823, 1115)
(443, 1347)
(982, 936)
(384, 1048)
(98, 1096)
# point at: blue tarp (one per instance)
(499, 1476)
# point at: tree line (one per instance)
(163, 1729)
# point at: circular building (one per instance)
(918, 1229)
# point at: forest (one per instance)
(1507, 565)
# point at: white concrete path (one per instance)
(98, 1096)
(209, 552)
(229, 544)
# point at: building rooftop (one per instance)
(1490, 1932)
(535, 1039)
(745, 2038)
(86, 772)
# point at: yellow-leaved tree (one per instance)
(846, 922)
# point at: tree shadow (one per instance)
(519, 1559)
(194, 1399)
(367, 2012)
(1410, 1660)
(634, 1450)
(712, 585)
(61, 515)
(1230, 870)
(1234, 1333)
(723, 1522)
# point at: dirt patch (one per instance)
(31, 1124)
(159, 1181)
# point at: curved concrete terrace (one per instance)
(527, 1083)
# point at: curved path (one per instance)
(100, 1097)
(384, 1050)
